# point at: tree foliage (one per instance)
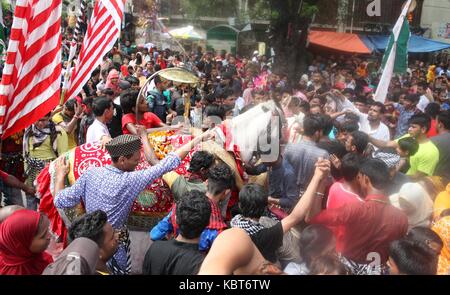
(288, 31)
(212, 8)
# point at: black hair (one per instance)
(433, 109)
(253, 200)
(88, 101)
(348, 127)
(157, 80)
(334, 147)
(199, 160)
(132, 80)
(424, 235)
(313, 240)
(423, 84)
(179, 109)
(116, 159)
(444, 119)
(128, 101)
(89, 226)
(215, 110)
(360, 140)
(100, 105)
(138, 59)
(413, 258)
(361, 99)
(409, 144)
(193, 212)
(295, 102)
(312, 124)
(95, 72)
(349, 91)
(327, 123)
(220, 178)
(414, 98)
(328, 265)
(350, 166)
(377, 171)
(424, 121)
(107, 91)
(70, 104)
(352, 118)
(380, 106)
(305, 105)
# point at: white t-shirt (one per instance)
(423, 103)
(381, 133)
(96, 131)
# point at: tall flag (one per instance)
(102, 32)
(395, 59)
(74, 43)
(30, 86)
(2, 31)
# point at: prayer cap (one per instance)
(123, 145)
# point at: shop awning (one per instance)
(417, 44)
(344, 42)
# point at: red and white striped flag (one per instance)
(102, 32)
(30, 86)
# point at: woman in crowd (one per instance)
(43, 142)
(24, 237)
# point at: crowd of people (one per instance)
(360, 186)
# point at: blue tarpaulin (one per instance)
(416, 44)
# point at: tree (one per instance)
(289, 35)
(289, 25)
(212, 8)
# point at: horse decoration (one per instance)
(236, 141)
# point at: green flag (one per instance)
(395, 59)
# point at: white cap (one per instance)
(256, 52)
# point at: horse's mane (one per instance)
(250, 129)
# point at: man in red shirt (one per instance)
(370, 226)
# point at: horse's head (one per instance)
(257, 130)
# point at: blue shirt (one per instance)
(164, 227)
(403, 119)
(113, 191)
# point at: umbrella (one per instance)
(187, 33)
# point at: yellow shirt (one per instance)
(45, 151)
(441, 203)
(71, 137)
(425, 160)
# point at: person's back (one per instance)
(253, 200)
(442, 142)
(345, 191)
(371, 225)
(181, 256)
(303, 156)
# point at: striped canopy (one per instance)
(187, 33)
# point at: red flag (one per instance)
(102, 32)
(30, 86)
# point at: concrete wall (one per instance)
(436, 17)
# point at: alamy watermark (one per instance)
(374, 8)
